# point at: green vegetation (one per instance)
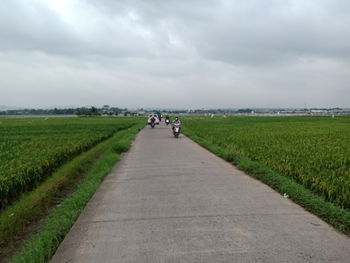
(67, 111)
(88, 112)
(31, 149)
(65, 141)
(41, 246)
(306, 157)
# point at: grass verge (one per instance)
(335, 215)
(42, 245)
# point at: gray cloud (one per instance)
(199, 53)
(27, 27)
(248, 31)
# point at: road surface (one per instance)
(170, 200)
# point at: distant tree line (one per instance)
(88, 111)
(201, 111)
(83, 111)
(54, 111)
(107, 110)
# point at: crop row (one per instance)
(315, 151)
(30, 149)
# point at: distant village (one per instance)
(107, 110)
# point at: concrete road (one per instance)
(169, 200)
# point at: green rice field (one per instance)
(315, 151)
(31, 149)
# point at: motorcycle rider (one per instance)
(176, 127)
(153, 120)
(159, 116)
(167, 119)
(176, 121)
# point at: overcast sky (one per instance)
(174, 53)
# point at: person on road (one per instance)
(167, 120)
(159, 116)
(176, 121)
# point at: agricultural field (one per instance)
(315, 151)
(31, 149)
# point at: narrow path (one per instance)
(169, 200)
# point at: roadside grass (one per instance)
(335, 215)
(94, 164)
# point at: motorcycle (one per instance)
(176, 130)
(153, 122)
(167, 122)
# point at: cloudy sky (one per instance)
(174, 53)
